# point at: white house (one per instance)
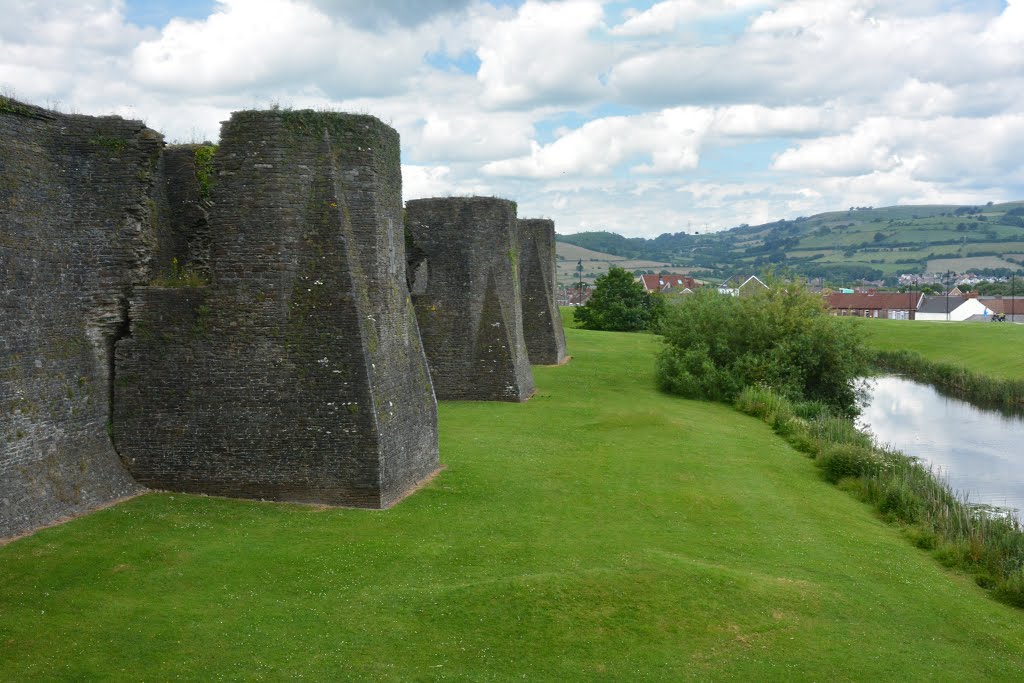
(953, 308)
(739, 285)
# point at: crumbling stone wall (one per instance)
(542, 321)
(463, 259)
(79, 214)
(298, 373)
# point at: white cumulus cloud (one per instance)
(664, 17)
(545, 54)
(668, 140)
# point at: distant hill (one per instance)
(596, 263)
(842, 246)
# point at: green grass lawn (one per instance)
(600, 531)
(993, 349)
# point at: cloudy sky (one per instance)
(638, 117)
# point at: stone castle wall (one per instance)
(186, 238)
(79, 224)
(463, 262)
(298, 373)
(542, 321)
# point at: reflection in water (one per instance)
(979, 452)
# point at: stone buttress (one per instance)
(463, 261)
(298, 373)
(542, 321)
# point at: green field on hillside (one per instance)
(601, 530)
(993, 349)
(842, 246)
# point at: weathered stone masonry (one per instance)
(79, 202)
(542, 321)
(187, 237)
(463, 259)
(296, 374)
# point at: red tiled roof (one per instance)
(657, 283)
(878, 301)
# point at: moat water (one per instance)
(979, 452)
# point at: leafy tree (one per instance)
(782, 337)
(620, 303)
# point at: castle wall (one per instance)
(79, 202)
(298, 373)
(186, 238)
(462, 273)
(542, 321)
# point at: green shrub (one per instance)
(619, 303)
(205, 173)
(925, 539)
(781, 338)
(899, 501)
(1011, 589)
(848, 460)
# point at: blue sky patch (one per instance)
(732, 161)
(467, 62)
(571, 120)
(157, 13)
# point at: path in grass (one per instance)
(992, 349)
(601, 530)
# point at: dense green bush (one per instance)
(848, 460)
(781, 338)
(619, 303)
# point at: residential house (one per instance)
(668, 282)
(872, 304)
(740, 285)
(951, 308)
(572, 296)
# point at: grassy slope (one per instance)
(600, 530)
(992, 349)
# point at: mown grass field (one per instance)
(993, 349)
(600, 531)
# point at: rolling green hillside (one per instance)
(842, 246)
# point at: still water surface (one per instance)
(980, 452)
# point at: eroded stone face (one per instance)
(298, 373)
(78, 228)
(463, 274)
(542, 321)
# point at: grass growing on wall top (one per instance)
(600, 530)
(206, 173)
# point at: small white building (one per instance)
(739, 285)
(952, 308)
